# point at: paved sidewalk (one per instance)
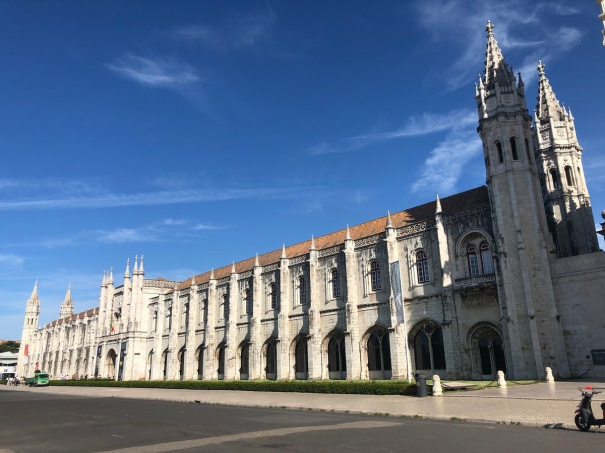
(542, 405)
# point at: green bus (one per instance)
(40, 379)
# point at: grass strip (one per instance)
(298, 386)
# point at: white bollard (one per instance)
(501, 381)
(549, 376)
(437, 389)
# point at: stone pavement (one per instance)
(543, 404)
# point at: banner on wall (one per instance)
(396, 286)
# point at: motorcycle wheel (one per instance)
(582, 424)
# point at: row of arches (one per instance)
(426, 345)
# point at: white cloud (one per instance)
(155, 72)
(108, 200)
(443, 167)
(518, 25)
(425, 124)
(235, 32)
(11, 262)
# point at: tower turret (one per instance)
(525, 291)
(67, 306)
(30, 324)
(559, 161)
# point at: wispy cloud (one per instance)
(425, 124)
(519, 24)
(153, 232)
(155, 72)
(237, 31)
(109, 200)
(442, 169)
(11, 262)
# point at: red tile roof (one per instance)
(460, 202)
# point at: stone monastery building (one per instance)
(507, 276)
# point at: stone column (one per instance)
(210, 368)
(255, 324)
(396, 332)
(285, 302)
(353, 351)
(453, 360)
(190, 368)
(231, 327)
(314, 342)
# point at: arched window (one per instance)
(379, 352)
(569, 176)
(186, 316)
(165, 370)
(555, 179)
(301, 359)
(579, 175)
(514, 149)
(486, 259)
(226, 306)
(248, 301)
(273, 296)
(528, 151)
(181, 357)
(422, 351)
(271, 366)
(245, 362)
(422, 267)
(337, 363)
(500, 153)
(429, 351)
(205, 311)
(473, 260)
(302, 290)
(200, 363)
(375, 276)
(221, 361)
(335, 284)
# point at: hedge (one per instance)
(296, 386)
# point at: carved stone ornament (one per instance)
(330, 251)
(476, 298)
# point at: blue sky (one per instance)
(198, 133)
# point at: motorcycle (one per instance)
(584, 416)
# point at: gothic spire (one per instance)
(127, 271)
(389, 221)
(212, 274)
(548, 105)
(283, 251)
(233, 267)
(348, 236)
(110, 280)
(135, 269)
(438, 208)
(256, 263)
(193, 281)
(141, 270)
(67, 306)
(496, 69)
(34, 297)
(312, 247)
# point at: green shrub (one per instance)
(341, 387)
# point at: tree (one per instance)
(10, 346)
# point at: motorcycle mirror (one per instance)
(589, 387)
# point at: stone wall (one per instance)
(579, 286)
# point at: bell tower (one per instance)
(559, 161)
(30, 324)
(528, 312)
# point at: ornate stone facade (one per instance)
(460, 287)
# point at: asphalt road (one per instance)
(38, 422)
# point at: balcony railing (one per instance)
(485, 279)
